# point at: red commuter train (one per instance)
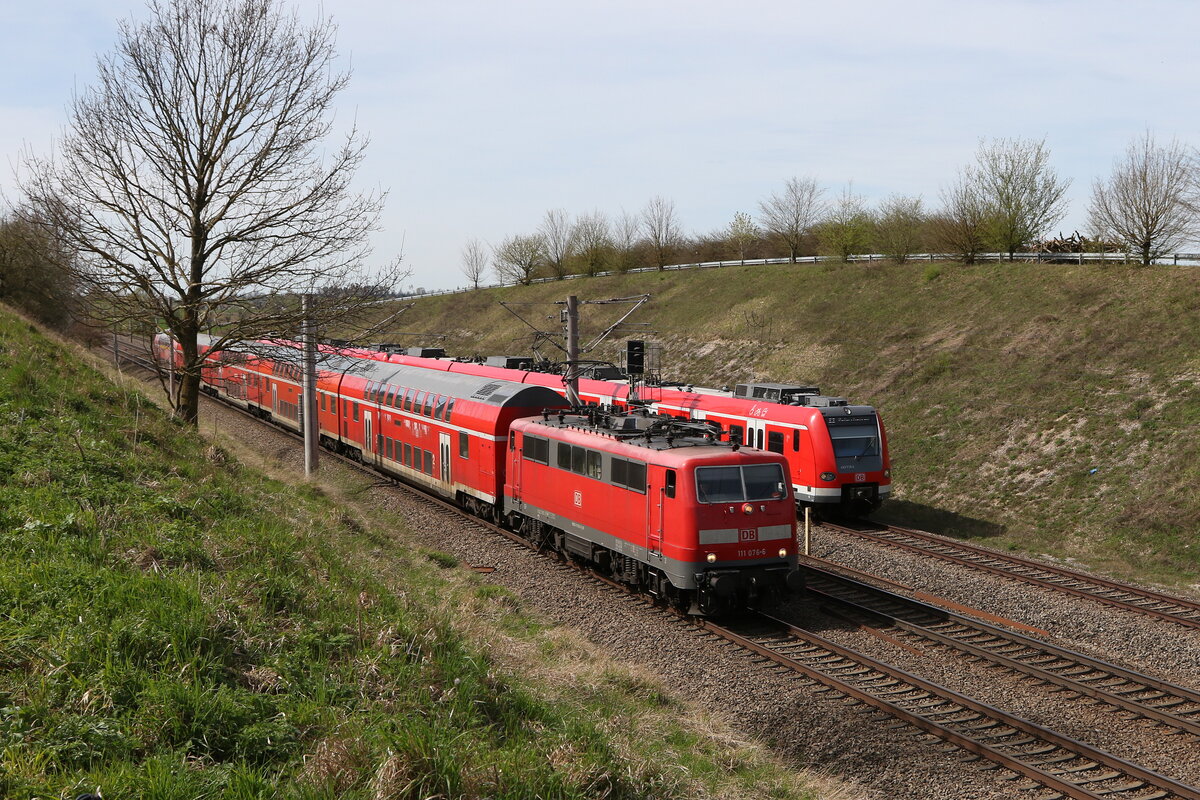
(656, 502)
(837, 451)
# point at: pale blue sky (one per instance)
(483, 115)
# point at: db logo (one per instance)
(579, 499)
(859, 477)
(748, 534)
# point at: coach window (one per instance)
(440, 410)
(796, 440)
(464, 444)
(760, 438)
(356, 411)
(391, 395)
(593, 464)
(417, 401)
(408, 455)
(670, 483)
(564, 455)
(428, 462)
(775, 441)
(428, 405)
(387, 442)
(578, 460)
(322, 402)
(449, 408)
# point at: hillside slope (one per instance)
(1047, 408)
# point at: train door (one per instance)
(274, 397)
(756, 433)
(659, 522)
(368, 442)
(444, 454)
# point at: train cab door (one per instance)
(658, 520)
(444, 455)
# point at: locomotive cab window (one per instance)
(669, 484)
(739, 484)
(796, 440)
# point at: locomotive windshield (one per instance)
(739, 484)
(856, 447)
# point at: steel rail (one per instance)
(1102, 590)
(1037, 753)
(1176, 706)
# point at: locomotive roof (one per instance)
(651, 432)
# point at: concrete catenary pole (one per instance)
(312, 426)
(572, 376)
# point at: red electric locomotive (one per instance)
(657, 502)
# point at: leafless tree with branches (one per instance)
(661, 228)
(558, 235)
(791, 214)
(1144, 202)
(958, 228)
(594, 242)
(475, 262)
(193, 183)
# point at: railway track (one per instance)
(1070, 768)
(1143, 695)
(1179, 610)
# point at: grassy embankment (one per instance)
(1045, 408)
(174, 624)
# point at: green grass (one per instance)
(174, 624)
(1003, 386)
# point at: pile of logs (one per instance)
(1074, 244)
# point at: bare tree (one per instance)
(594, 242)
(558, 234)
(474, 262)
(742, 233)
(1143, 204)
(847, 227)
(661, 228)
(626, 230)
(193, 183)
(1023, 195)
(900, 227)
(518, 258)
(791, 214)
(958, 228)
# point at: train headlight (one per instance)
(827, 476)
(711, 558)
(748, 508)
(887, 473)
(783, 552)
